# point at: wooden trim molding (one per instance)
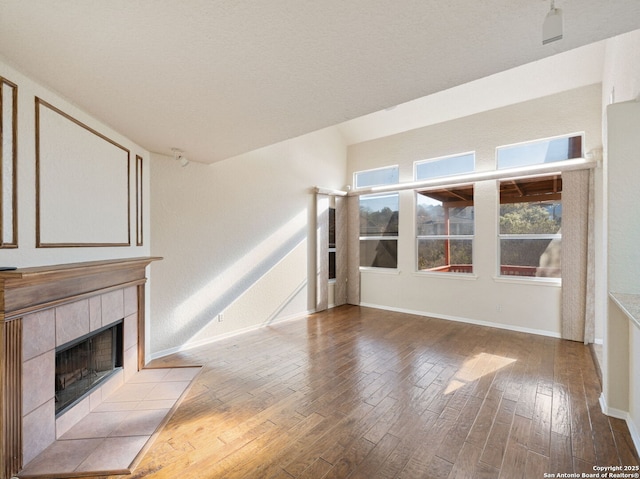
(9, 240)
(139, 202)
(11, 398)
(141, 326)
(83, 219)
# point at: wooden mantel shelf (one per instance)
(27, 290)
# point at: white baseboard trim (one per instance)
(230, 334)
(635, 434)
(610, 411)
(625, 416)
(458, 319)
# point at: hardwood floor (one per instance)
(364, 393)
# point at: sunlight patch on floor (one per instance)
(475, 368)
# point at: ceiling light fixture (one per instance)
(178, 155)
(552, 26)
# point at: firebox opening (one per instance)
(81, 365)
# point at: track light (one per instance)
(178, 155)
(552, 26)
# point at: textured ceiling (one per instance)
(217, 78)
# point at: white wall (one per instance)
(27, 254)
(515, 304)
(621, 83)
(237, 237)
(633, 421)
(621, 76)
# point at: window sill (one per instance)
(366, 269)
(433, 274)
(556, 282)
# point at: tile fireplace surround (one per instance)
(42, 308)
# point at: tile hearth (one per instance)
(110, 438)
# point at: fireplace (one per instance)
(60, 309)
(84, 363)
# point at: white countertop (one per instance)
(629, 304)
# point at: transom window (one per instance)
(445, 227)
(530, 227)
(539, 152)
(445, 166)
(388, 175)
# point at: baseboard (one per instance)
(610, 411)
(625, 416)
(230, 334)
(458, 319)
(635, 434)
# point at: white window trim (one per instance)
(373, 269)
(549, 236)
(444, 237)
(532, 280)
(378, 196)
(435, 274)
(379, 238)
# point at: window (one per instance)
(539, 152)
(380, 176)
(332, 244)
(379, 230)
(445, 227)
(447, 166)
(530, 226)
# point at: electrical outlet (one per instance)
(499, 308)
(220, 317)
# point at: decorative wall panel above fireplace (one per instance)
(82, 183)
(8, 164)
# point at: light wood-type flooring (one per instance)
(364, 393)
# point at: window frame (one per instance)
(446, 237)
(394, 237)
(526, 236)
